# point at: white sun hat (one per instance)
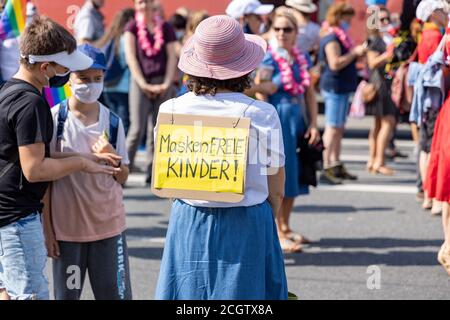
(426, 8)
(75, 61)
(306, 6)
(239, 8)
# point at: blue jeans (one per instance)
(22, 259)
(337, 106)
(118, 103)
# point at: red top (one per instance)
(429, 42)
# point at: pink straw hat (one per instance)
(220, 50)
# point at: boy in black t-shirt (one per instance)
(26, 128)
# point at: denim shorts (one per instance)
(22, 259)
(337, 107)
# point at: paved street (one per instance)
(373, 222)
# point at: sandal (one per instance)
(288, 246)
(427, 204)
(436, 209)
(383, 170)
(444, 258)
(297, 238)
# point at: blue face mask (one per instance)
(345, 26)
(180, 35)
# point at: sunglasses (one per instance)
(387, 20)
(285, 30)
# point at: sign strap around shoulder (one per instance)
(235, 124)
(243, 113)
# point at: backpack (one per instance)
(401, 93)
(115, 70)
(3, 96)
(114, 121)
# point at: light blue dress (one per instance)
(290, 110)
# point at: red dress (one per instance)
(437, 182)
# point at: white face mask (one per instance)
(87, 93)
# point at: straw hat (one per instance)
(306, 6)
(220, 50)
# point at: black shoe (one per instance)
(342, 173)
(391, 155)
(328, 177)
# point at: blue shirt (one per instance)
(124, 84)
(342, 81)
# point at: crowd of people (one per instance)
(269, 64)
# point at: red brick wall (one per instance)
(63, 11)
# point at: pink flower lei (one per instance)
(340, 33)
(143, 35)
(288, 80)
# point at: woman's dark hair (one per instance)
(178, 22)
(115, 31)
(203, 86)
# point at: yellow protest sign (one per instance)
(201, 158)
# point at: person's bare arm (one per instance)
(110, 158)
(313, 107)
(172, 62)
(376, 60)
(265, 88)
(102, 146)
(276, 189)
(171, 68)
(132, 61)
(122, 176)
(261, 89)
(37, 168)
(50, 239)
(336, 60)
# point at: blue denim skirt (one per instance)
(222, 254)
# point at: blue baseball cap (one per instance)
(96, 55)
(376, 2)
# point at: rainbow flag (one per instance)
(54, 96)
(13, 19)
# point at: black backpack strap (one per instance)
(4, 94)
(114, 121)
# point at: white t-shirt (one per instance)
(266, 149)
(9, 58)
(88, 23)
(87, 207)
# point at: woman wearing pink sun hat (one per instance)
(217, 250)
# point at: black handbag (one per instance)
(310, 160)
